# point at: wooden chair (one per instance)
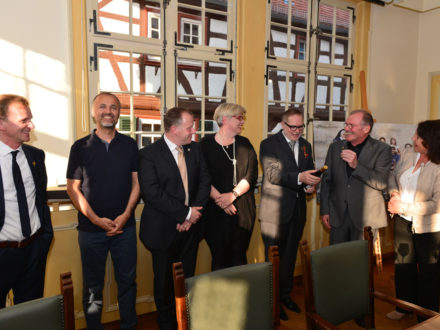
(338, 284)
(241, 297)
(49, 313)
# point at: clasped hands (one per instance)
(113, 227)
(196, 214)
(224, 201)
(395, 204)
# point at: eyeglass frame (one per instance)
(293, 127)
(350, 126)
(238, 117)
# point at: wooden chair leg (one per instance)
(378, 253)
(67, 292)
(274, 258)
(179, 293)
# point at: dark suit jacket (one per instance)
(35, 158)
(163, 193)
(362, 192)
(280, 189)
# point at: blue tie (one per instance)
(21, 197)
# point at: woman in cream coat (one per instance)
(414, 187)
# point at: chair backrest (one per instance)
(233, 298)
(241, 297)
(50, 313)
(340, 281)
(43, 313)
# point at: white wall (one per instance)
(392, 68)
(428, 61)
(35, 61)
(403, 55)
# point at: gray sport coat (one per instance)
(362, 192)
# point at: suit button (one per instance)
(348, 186)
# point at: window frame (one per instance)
(168, 49)
(310, 64)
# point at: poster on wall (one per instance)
(398, 136)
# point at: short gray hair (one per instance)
(367, 117)
(227, 110)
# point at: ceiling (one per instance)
(417, 5)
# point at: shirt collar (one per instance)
(170, 144)
(5, 149)
(360, 145)
(97, 138)
(288, 141)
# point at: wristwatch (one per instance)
(235, 194)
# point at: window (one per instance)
(205, 22)
(286, 91)
(331, 97)
(201, 88)
(153, 25)
(156, 54)
(288, 28)
(190, 31)
(309, 59)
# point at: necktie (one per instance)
(181, 164)
(21, 197)
(292, 147)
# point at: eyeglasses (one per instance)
(239, 118)
(293, 127)
(350, 126)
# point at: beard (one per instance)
(108, 125)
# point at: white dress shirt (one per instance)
(11, 230)
(295, 152)
(408, 181)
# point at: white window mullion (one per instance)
(132, 117)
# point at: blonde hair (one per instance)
(227, 110)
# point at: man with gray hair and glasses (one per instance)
(351, 189)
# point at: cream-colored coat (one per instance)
(425, 209)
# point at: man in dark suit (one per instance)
(351, 190)
(287, 169)
(175, 186)
(25, 226)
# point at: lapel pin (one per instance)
(33, 163)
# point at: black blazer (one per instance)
(280, 190)
(35, 158)
(163, 192)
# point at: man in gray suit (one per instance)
(351, 191)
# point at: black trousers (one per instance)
(23, 270)
(184, 249)
(228, 243)
(288, 238)
(417, 273)
(346, 232)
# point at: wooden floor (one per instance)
(383, 283)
